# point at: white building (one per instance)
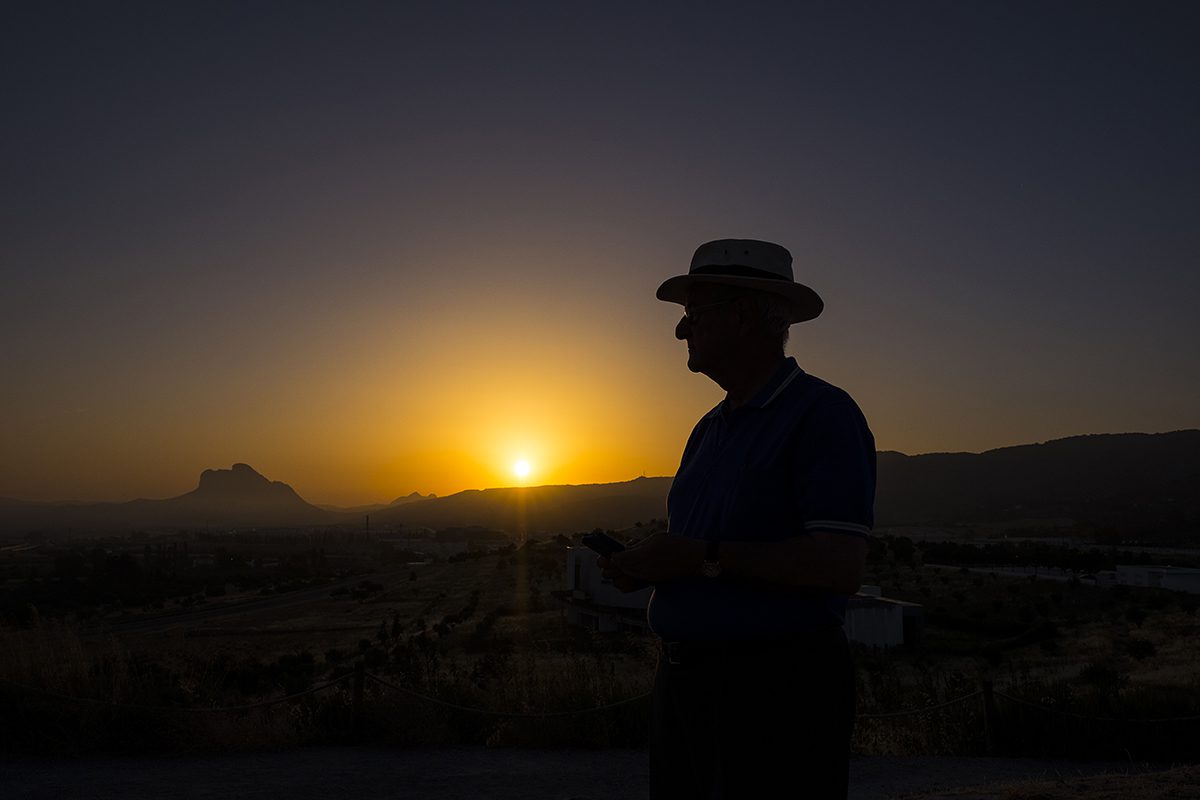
(881, 622)
(592, 601)
(1102, 579)
(1179, 579)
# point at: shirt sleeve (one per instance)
(837, 469)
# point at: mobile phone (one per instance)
(602, 543)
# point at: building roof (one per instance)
(866, 601)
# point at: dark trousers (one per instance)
(754, 721)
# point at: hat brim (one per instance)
(805, 304)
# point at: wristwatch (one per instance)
(711, 567)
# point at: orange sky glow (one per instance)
(378, 249)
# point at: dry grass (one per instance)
(525, 665)
(525, 661)
(530, 684)
(51, 656)
(84, 696)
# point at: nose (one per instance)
(682, 328)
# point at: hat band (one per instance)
(737, 270)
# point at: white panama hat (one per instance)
(751, 264)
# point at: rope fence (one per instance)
(924, 709)
(1059, 712)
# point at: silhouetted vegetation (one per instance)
(478, 629)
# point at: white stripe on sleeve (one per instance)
(836, 525)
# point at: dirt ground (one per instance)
(1181, 783)
(458, 774)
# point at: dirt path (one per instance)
(373, 773)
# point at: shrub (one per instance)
(1104, 677)
(1140, 648)
(991, 654)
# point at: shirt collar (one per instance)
(788, 371)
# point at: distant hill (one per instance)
(239, 496)
(373, 507)
(412, 498)
(1131, 482)
(224, 498)
(539, 508)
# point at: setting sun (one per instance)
(521, 468)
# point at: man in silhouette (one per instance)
(768, 521)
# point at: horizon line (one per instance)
(388, 504)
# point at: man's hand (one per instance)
(658, 558)
(822, 560)
(618, 578)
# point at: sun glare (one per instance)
(521, 469)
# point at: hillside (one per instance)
(1133, 483)
(540, 508)
(238, 497)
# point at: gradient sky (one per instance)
(371, 248)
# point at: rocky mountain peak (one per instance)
(241, 479)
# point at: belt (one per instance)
(691, 651)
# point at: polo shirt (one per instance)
(797, 458)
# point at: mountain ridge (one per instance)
(1130, 481)
(238, 497)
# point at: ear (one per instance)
(746, 321)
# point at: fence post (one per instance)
(990, 719)
(359, 680)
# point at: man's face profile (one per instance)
(709, 326)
